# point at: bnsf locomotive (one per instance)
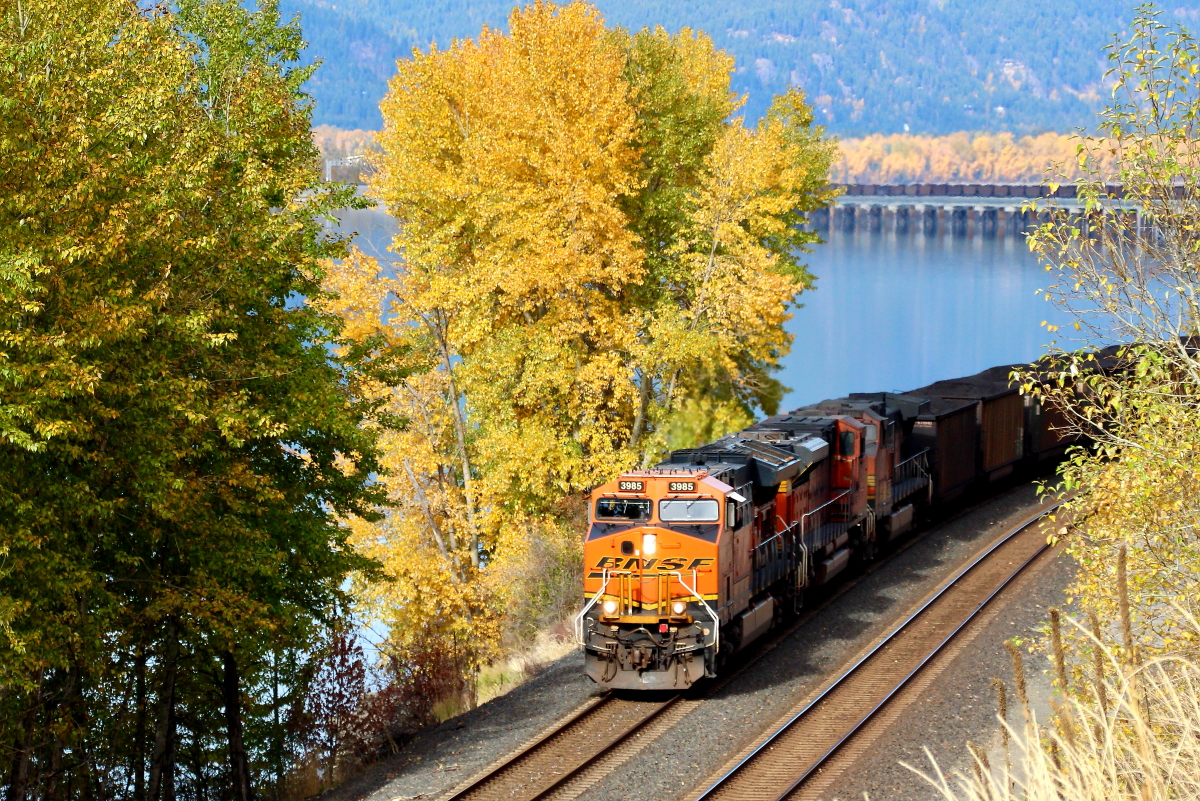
(690, 561)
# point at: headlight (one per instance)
(649, 544)
(679, 607)
(610, 607)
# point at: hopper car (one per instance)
(690, 561)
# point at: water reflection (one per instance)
(901, 311)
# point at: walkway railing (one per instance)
(911, 476)
(827, 522)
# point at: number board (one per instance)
(631, 486)
(682, 486)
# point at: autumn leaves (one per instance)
(595, 262)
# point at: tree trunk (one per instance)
(139, 730)
(162, 764)
(646, 391)
(239, 768)
(18, 782)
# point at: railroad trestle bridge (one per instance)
(960, 209)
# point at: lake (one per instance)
(889, 312)
(895, 312)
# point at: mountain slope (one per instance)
(932, 65)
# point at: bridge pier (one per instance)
(987, 221)
(961, 209)
(875, 219)
(821, 219)
(958, 221)
(1019, 222)
(847, 216)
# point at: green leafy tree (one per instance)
(177, 440)
(1126, 270)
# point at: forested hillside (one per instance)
(925, 66)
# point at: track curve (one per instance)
(784, 761)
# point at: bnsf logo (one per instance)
(633, 563)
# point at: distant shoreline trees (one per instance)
(962, 157)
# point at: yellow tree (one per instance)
(589, 245)
(715, 331)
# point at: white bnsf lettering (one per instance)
(631, 486)
(682, 486)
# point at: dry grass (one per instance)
(509, 673)
(1133, 733)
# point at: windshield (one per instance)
(623, 509)
(689, 510)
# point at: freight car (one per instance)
(692, 560)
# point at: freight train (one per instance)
(692, 560)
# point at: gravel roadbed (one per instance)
(716, 729)
(957, 702)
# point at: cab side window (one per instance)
(737, 515)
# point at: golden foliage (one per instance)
(1128, 275)
(588, 245)
(957, 157)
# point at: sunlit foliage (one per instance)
(1127, 270)
(590, 245)
(176, 442)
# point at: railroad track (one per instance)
(567, 751)
(779, 767)
(580, 743)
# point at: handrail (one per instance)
(579, 635)
(913, 458)
(833, 500)
(772, 539)
(716, 620)
(803, 568)
(912, 467)
(579, 639)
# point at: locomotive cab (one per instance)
(650, 586)
(684, 564)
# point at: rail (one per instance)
(781, 745)
(538, 769)
(575, 746)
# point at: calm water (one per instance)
(889, 312)
(898, 312)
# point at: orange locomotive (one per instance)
(690, 561)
